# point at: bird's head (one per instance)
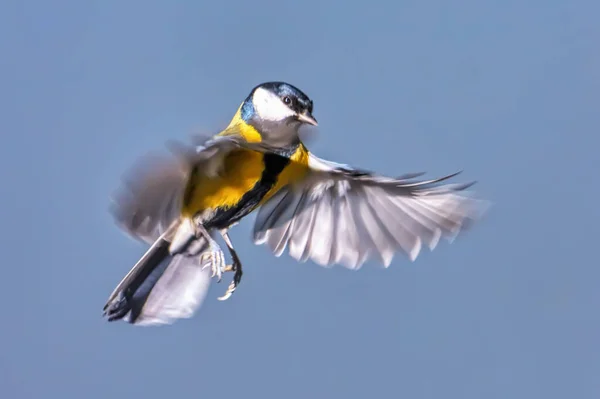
(277, 110)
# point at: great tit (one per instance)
(315, 209)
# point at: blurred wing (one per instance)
(151, 194)
(150, 197)
(341, 215)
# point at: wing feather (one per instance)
(396, 222)
(419, 223)
(309, 233)
(151, 195)
(302, 227)
(283, 211)
(289, 228)
(149, 198)
(278, 239)
(351, 239)
(366, 245)
(383, 244)
(340, 215)
(322, 235)
(336, 239)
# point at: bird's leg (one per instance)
(235, 267)
(214, 256)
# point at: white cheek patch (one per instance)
(270, 107)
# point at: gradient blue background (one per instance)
(507, 91)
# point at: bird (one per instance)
(311, 208)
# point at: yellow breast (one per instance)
(240, 171)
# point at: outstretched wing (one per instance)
(341, 215)
(151, 194)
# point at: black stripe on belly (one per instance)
(223, 217)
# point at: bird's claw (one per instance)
(215, 259)
(237, 277)
(228, 293)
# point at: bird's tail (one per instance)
(162, 286)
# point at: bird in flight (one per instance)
(312, 208)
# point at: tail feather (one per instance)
(161, 287)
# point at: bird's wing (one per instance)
(151, 194)
(341, 215)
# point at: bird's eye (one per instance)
(287, 100)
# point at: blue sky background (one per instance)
(507, 91)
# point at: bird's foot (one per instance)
(215, 259)
(236, 267)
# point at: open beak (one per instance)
(307, 118)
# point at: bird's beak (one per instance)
(307, 118)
